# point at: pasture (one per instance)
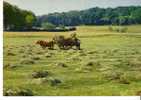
(109, 64)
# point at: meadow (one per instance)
(109, 64)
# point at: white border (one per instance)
(75, 98)
(1, 47)
(45, 97)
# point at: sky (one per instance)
(41, 7)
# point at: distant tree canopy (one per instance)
(48, 26)
(17, 19)
(94, 16)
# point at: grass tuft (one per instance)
(27, 61)
(40, 74)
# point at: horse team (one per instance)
(61, 42)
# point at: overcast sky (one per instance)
(40, 7)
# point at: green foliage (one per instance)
(136, 15)
(95, 16)
(17, 19)
(61, 26)
(29, 18)
(48, 26)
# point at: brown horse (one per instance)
(44, 44)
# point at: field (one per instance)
(109, 64)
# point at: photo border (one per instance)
(47, 97)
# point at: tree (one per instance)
(17, 19)
(95, 16)
(30, 18)
(136, 15)
(48, 26)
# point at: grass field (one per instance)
(109, 63)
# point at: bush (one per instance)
(62, 27)
(48, 26)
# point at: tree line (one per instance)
(17, 19)
(94, 16)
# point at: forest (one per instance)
(18, 19)
(95, 16)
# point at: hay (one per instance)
(82, 54)
(36, 58)
(61, 64)
(24, 56)
(124, 80)
(112, 75)
(40, 74)
(25, 92)
(75, 58)
(27, 61)
(55, 81)
(18, 92)
(138, 93)
(90, 63)
(21, 51)
(40, 52)
(9, 92)
(83, 69)
(6, 65)
(10, 54)
(40, 81)
(48, 55)
(11, 66)
(91, 52)
(49, 80)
